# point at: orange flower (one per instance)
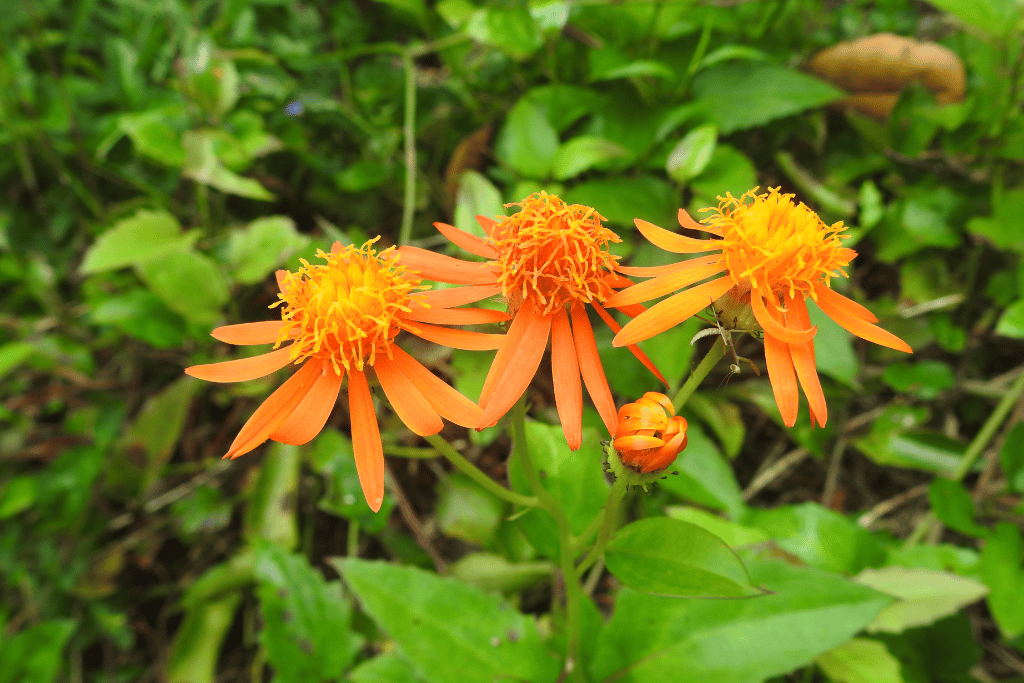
(649, 435)
(549, 260)
(342, 318)
(771, 255)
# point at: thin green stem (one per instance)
(715, 354)
(573, 591)
(611, 518)
(409, 133)
(474, 473)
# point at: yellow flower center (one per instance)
(773, 245)
(553, 254)
(345, 311)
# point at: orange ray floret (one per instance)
(339, 319)
(773, 254)
(549, 261)
(649, 435)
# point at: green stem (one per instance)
(573, 591)
(715, 354)
(611, 518)
(409, 133)
(474, 473)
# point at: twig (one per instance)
(868, 519)
(769, 475)
(409, 516)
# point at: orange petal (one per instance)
(513, 337)
(366, 445)
(247, 334)
(565, 372)
(243, 369)
(455, 316)
(590, 367)
(487, 224)
(783, 378)
(412, 407)
(857, 326)
(275, 409)
(311, 415)
(654, 271)
(687, 222)
(665, 284)
(521, 367)
(443, 268)
(670, 241)
(280, 275)
(633, 348)
(451, 297)
(803, 361)
(775, 328)
(671, 311)
(336, 248)
(471, 243)
(458, 339)
(847, 305)
(637, 442)
(449, 403)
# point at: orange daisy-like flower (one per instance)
(341, 318)
(771, 254)
(649, 435)
(550, 260)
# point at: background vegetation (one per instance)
(161, 159)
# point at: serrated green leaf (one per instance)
(582, 153)
(190, 283)
(671, 557)
(450, 632)
(255, 250)
(143, 237)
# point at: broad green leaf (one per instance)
(14, 354)
(35, 655)
(143, 237)
(729, 170)
(704, 475)
(333, 457)
(204, 511)
(575, 478)
(197, 642)
(157, 427)
(1002, 572)
(954, 508)
(203, 166)
(925, 596)
(154, 136)
(671, 557)
(692, 154)
(939, 557)
(1003, 227)
(527, 142)
(1011, 322)
(608, 64)
(510, 28)
(891, 441)
(861, 660)
(417, 9)
(477, 197)
(361, 176)
(620, 200)
(997, 17)
(746, 94)
(490, 572)
(653, 640)
(722, 417)
(190, 283)
(820, 537)
(450, 632)
(470, 372)
(563, 104)
(306, 621)
(255, 250)
(923, 219)
(17, 495)
(466, 511)
(833, 347)
(732, 534)
(385, 668)
(1011, 457)
(143, 315)
(925, 379)
(581, 154)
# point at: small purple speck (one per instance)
(293, 108)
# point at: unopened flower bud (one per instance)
(649, 434)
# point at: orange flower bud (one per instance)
(649, 435)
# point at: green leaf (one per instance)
(255, 250)
(575, 479)
(143, 315)
(954, 508)
(157, 427)
(190, 283)
(722, 417)
(729, 170)
(450, 632)
(153, 135)
(361, 176)
(925, 379)
(477, 197)
(1011, 322)
(490, 572)
(333, 457)
(35, 655)
(1011, 457)
(925, 596)
(466, 511)
(923, 219)
(620, 200)
(17, 495)
(270, 513)
(692, 154)
(746, 94)
(197, 642)
(1003, 227)
(563, 104)
(704, 475)
(417, 9)
(1001, 571)
(861, 660)
(670, 557)
(14, 354)
(582, 153)
(205, 510)
(306, 621)
(997, 17)
(608, 64)
(203, 166)
(143, 237)
(511, 29)
(653, 640)
(385, 668)
(527, 142)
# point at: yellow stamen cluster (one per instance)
(553, 254)
(773, 245)
(345, 311)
